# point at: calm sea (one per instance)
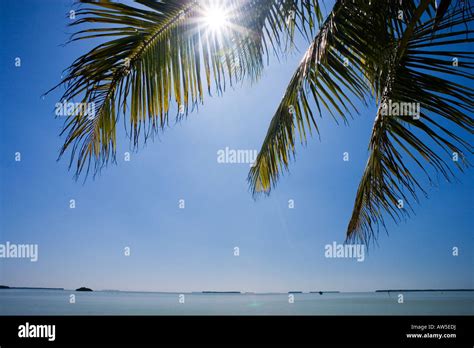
(56, 302)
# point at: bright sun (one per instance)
(215, 18)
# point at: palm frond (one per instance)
(162, 58)
(403, 57)
(343, 62)
(421, 72)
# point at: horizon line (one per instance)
(6, 287)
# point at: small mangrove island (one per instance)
(84, 289)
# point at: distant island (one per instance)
(422, 290)
(27, 288)
(324, 292)
(314, 292)
(221, 292)
(84, 289)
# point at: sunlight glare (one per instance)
(215, 18)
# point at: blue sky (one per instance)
(135, 204)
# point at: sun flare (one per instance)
(215, 18)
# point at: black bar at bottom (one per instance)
(290, 330)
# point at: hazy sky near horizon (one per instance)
(135, 204)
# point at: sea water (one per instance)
(57, 302)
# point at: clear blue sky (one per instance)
(135, 203)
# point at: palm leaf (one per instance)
(408, 60)
(421, 72)
(343, 62)
(162, 58)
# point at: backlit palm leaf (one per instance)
(160, 55)
(349, 50)
(401, 56)
(421, 73)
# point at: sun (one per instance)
(215, 18)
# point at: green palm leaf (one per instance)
(162, 58)
(421, 73)
(345, 55)
(401, 53)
